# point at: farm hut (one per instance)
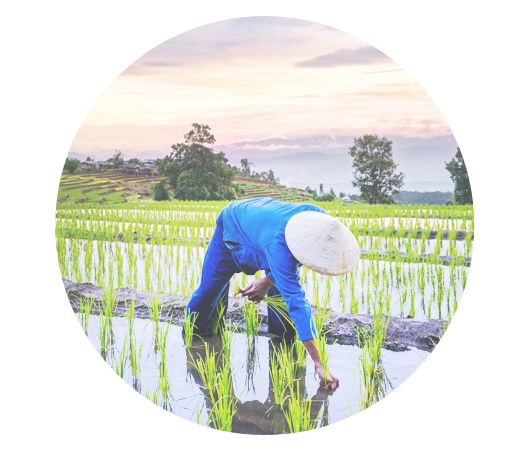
(88, 165)
(149, 170)
(131, 168)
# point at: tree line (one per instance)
(193, 171)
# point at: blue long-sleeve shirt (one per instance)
(254, 231)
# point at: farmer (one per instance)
(277, 237)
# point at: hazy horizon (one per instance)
(272, 88)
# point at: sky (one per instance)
(268, 87)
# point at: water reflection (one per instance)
(254, 416)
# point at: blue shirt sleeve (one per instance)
(284, 270)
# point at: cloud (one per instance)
(346, 57)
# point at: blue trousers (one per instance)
(209, 302)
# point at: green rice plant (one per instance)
(223, 409)
(105, 333)
(300, 353)
(152, 397)
(155, 308)
(189, 328)
(277, 379)
(323, 352)
(163, 375)
(135, 354)
(321, 316)
(206, 368)
(109, 301)
(216, 377)
(226, 341)
(285, 359)
(251, 318)
(277, 304)
(297, 412)
(121, 363)
(372, 387)
(85, 307)
(412, 310)
(219, 317)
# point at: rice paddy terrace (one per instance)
(130, 267)
(108, 187)
(104, 187)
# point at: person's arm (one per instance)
(284, 269)
(330, 381)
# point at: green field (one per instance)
(109, 187)
(104, 187)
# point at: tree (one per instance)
(245, 167)
(71, 165)
(199, 134)
(195, 172)
(457, 168)
(374, 170)
(133, 161)
(160, 191)
(321, 189)
(116, 160)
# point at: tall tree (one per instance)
(245, 167)
(457, 168)
(374, 170)
(195, 171)
(71, 165)
(199, 134)
(116, 160)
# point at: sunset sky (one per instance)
(267, 83)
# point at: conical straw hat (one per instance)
(322, 243)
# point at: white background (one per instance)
(57, 57)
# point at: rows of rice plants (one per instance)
(159, 248)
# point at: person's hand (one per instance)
(329, 381)
(257, 290)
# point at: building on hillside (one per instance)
(149, 170)
(89, 165)
(131, 168)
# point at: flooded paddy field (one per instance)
(414, 267)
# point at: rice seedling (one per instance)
(323, 352)
(189, 328)
(155, 307)
(251, 318)
(297, 412)
(163, 375)
(223, 409)
(372, 387)
(300, 353)
(121, 363)
(278, 306)
(217, 381)
(85, 307)
(277, 379)
(226, 342)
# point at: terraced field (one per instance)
(257, 188)
(104, 187)
(114, 186)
